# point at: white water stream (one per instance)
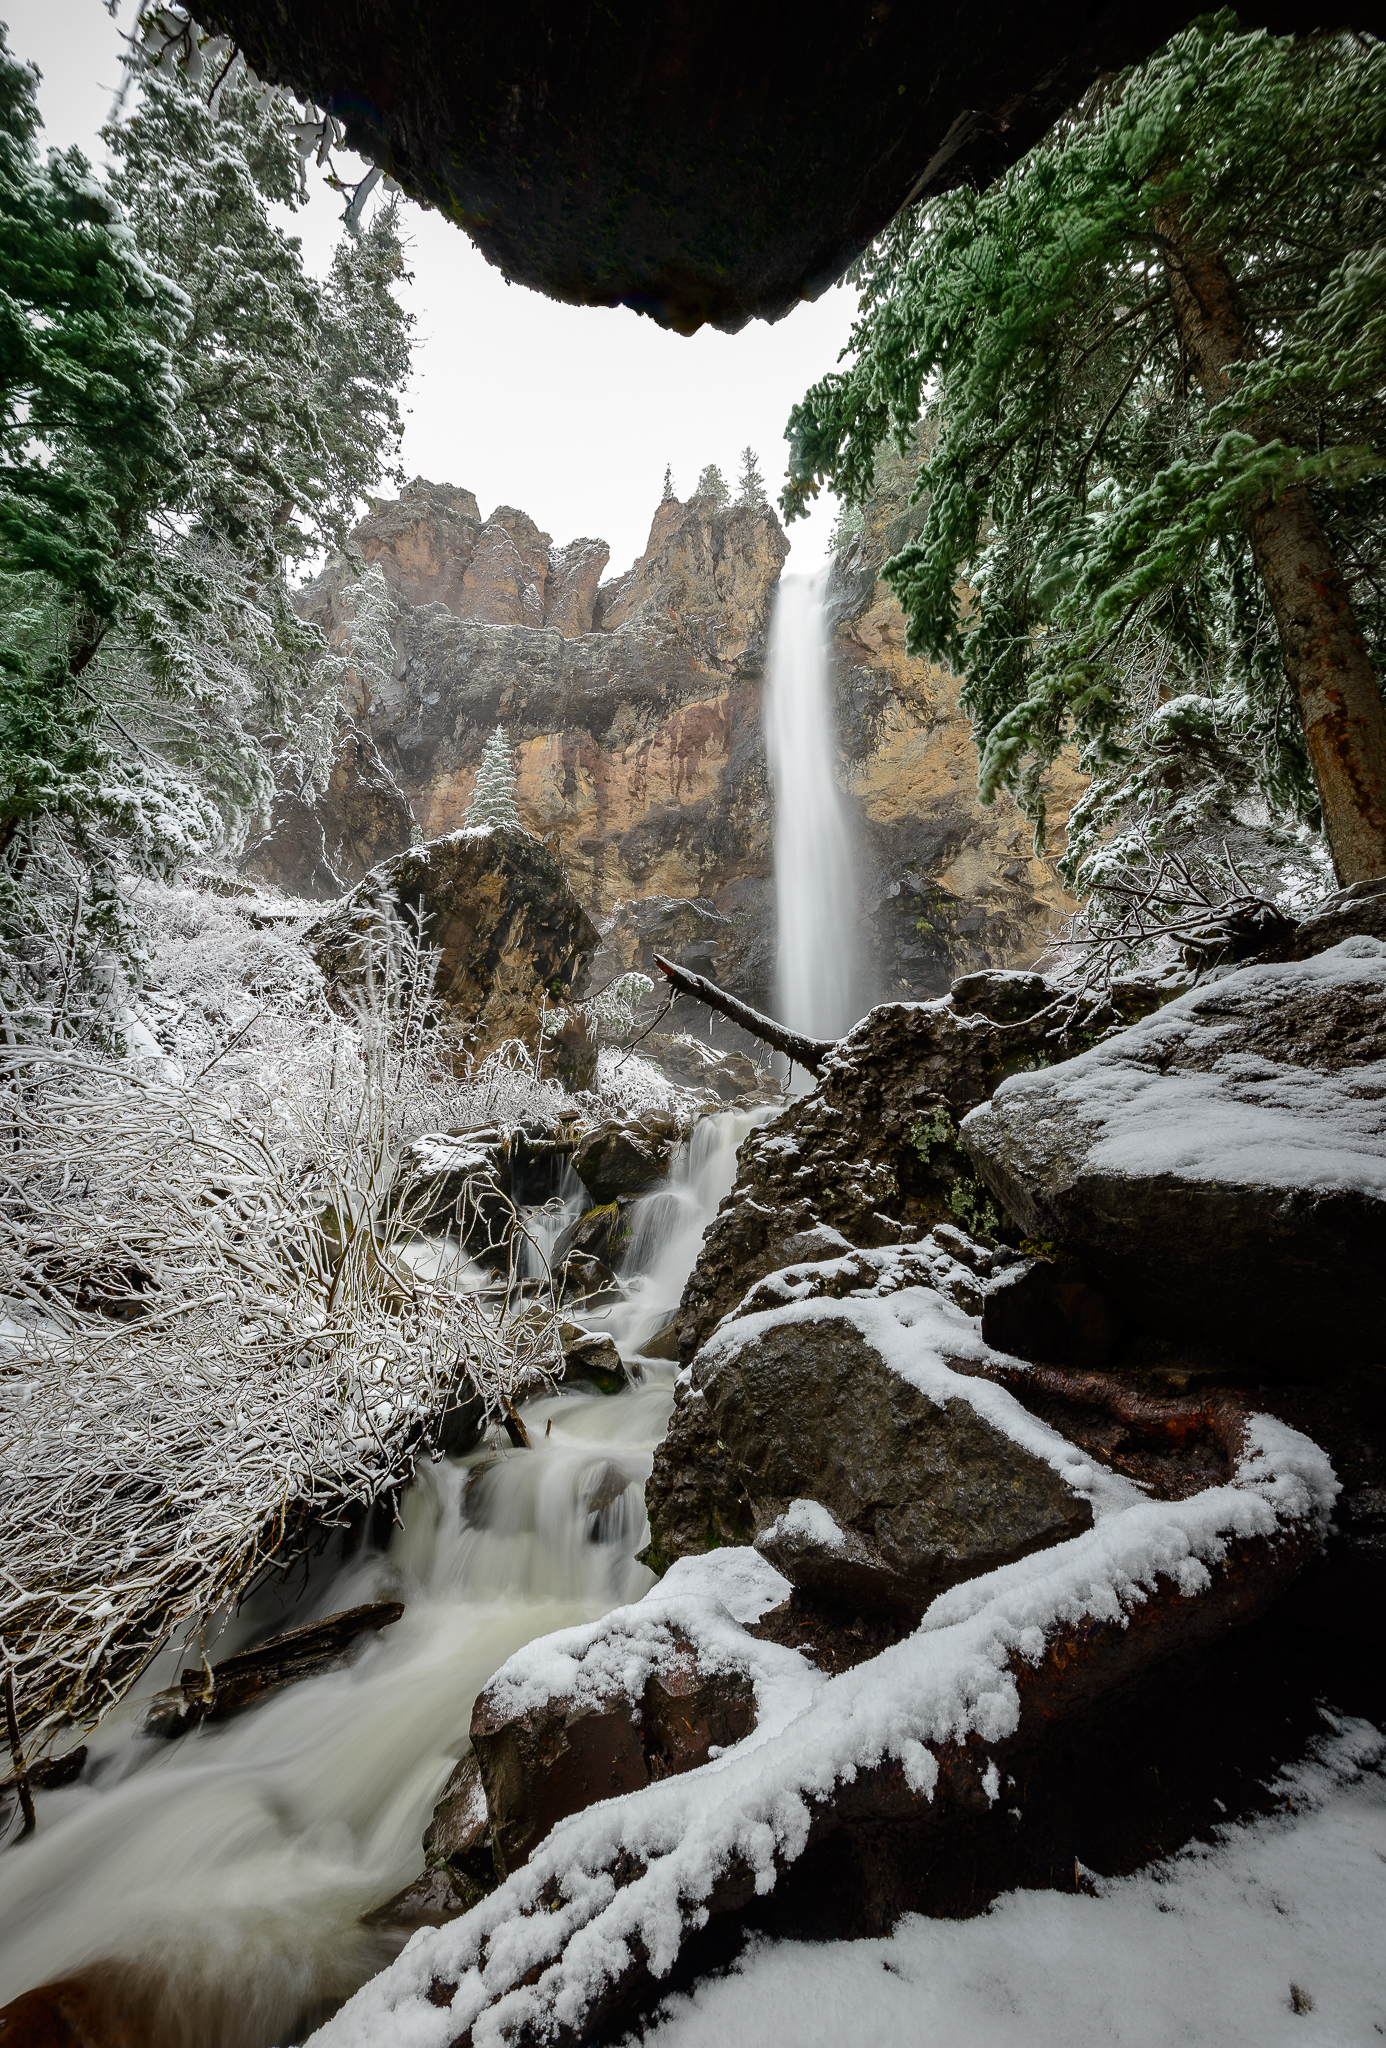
(819, 982)
(231, 1867)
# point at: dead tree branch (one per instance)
(805, 1052)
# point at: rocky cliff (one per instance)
(634, 707)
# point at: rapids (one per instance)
(225, 1873)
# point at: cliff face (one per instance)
(634, 710)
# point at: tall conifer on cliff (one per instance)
(492, 801)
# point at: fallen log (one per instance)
(809, 1053)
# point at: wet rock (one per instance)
(554, 1758)
(628, 1158)
(240, 1680)
(497, 906)
(588, 1283)
(599, 1233)
(94, 2010)
(459, 1833)
(431, 1900)
(459, 1868)
(857, 1486)
(551, 1761)
(1219, 1166)
(1048, 1313)
(870, 1158)
(590, 1356)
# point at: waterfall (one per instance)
(230, 1868)
(818, 974)
(667, 1228)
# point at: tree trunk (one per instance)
(1326, 659)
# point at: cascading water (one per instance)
(667, 1228)
(544, 1223)
(818, 975)
(224, 1875)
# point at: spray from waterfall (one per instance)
(818, 976)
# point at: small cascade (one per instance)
(544, 1223)
(226, 1873)
(819, 981)
(667, 1228)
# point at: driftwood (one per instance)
(804, 1052)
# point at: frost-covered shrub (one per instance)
(210, 1307)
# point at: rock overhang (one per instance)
(705, 165)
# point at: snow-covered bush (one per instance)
(213, 1334)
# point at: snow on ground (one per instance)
(1218, 1946)
(1250, 1120)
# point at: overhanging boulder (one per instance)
(709, 163)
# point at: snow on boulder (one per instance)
(920, 1737)
(499, 909)
(1222, 1165)
(868, 1472)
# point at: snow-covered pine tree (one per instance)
(1155, 351)
(492, 801)
(667, 493)
(750, 490)
(208, 413)
(712, 484)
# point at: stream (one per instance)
(225, 1873)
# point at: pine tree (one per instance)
(750, 491)
(492, 801)
(667, 493)
(1157, 355)
(205, 412)
(712, 484)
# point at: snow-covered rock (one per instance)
(1221, 1165)
(921, 1735)
(868, 1472)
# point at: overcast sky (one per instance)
(568, 412)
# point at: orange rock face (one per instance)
(634, 710)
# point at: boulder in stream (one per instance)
(625, 1158)
(541, 1758)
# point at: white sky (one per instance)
(568, 412)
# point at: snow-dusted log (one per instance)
(809, 1053)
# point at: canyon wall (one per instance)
(633, 707)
